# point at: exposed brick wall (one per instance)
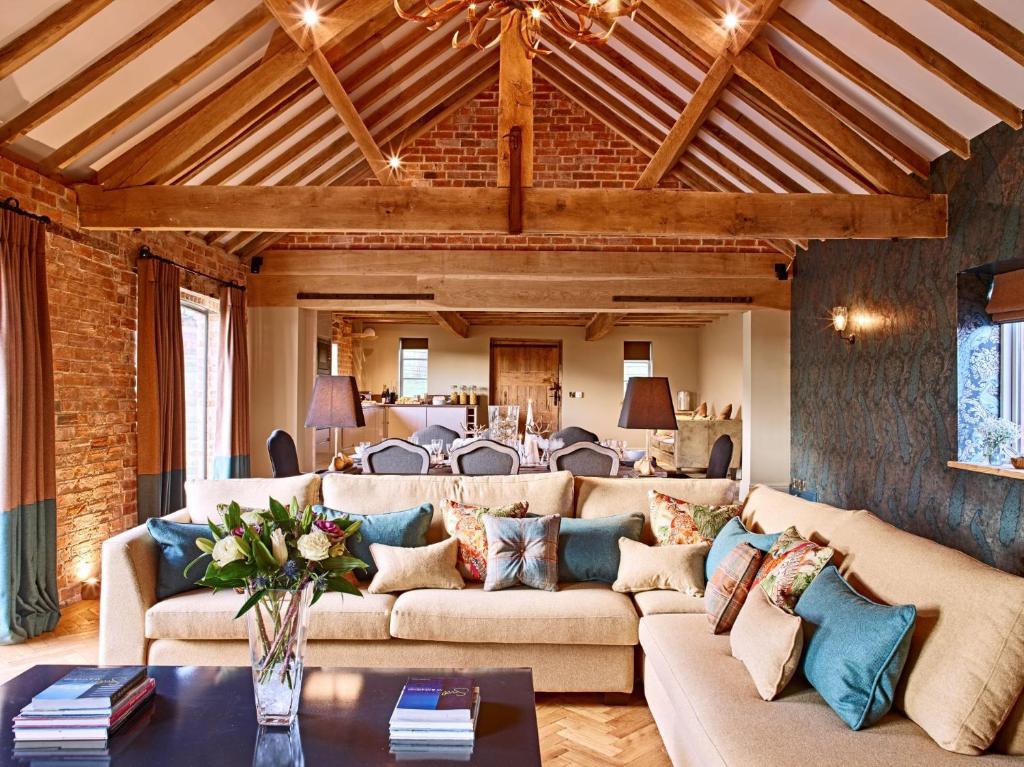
(92, 291)
(341, 340)
(571, 150)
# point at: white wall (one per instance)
(766, 398)
(720, 363)
(593, 367)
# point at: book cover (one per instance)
(136, 698)
(89, 688)
(458, 727)
(433, 699)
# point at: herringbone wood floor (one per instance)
(575, 730)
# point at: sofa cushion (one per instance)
(203, 495)
(667, 601)
(598, 497)
(466, 523)
(679, 520)
(771, 511)
(588, 549)
(768, 641)
(710, 714)
(789, 567)
(578, 613)
(203, 614)
(732, 535)
(643, 567)
(407, 528)
(549, 493)
(177, 542)
(729, 586)
(521, 552)
(401, 568)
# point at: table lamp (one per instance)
(648, 405)
(335, 404)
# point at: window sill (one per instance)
(983, 468)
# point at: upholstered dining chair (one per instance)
(485, 456)
(435, 431)
(396, 456)
(570, 435)
(585, 459)
(284, 458)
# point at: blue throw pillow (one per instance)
(177, 542)
(731, 536)
(857, 648)
(406, 528)
(588, 549)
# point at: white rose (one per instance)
(314, 545)
(226, 551)
(278, 547)
(252, 518)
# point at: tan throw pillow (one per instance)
(645, 568)
(401, 568)
(769, 641)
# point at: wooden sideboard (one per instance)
(690, 446)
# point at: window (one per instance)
(636, 361)
(1011, 347)
(199, 332)
(412, 366)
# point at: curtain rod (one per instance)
(12, 204)
(145, 252)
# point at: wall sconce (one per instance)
(840, 323)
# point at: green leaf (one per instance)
(307, 519)
(190, 564)
(264, 559)
(278, 511)
(233, 518)
(249, 603)
(237, 569)
(343, 585)
(316, 596)
(205, 545)
(214, 530)
(243, 546)
(353, 527)
(343, 564)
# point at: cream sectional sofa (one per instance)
(960, 692)
(581, 638)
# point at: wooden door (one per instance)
(525, 370)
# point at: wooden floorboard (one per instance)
(575, 730)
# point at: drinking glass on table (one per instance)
(436, 448)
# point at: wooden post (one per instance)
(515, 180)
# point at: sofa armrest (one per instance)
(128, 590)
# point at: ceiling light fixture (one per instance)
(395, 162)
(730, 21)
(575, 20)
(310, 17)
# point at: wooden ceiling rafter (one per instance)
(453, 322)
(51, 30)
(600, 325)
(988, 25)
(72, 89)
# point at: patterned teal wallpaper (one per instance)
(874, 423)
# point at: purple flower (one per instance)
(290, 569)
(240, 530)
(333, 529)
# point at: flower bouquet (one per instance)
(283, 559)
(999, 437)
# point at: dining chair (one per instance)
(570, 435)
(484, 456)
(585, 459)
(284, 458)
(435, 431)
(721, 457)
(395, 456)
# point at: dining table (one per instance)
(444, 469)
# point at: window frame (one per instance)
(627, 360)
(413, 345)
(209, 308)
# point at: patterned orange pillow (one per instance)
(789, 567)
(676, 521)
(728, 588)
(466, 523)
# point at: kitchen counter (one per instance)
(417, 404)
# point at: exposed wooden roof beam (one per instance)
(49, 31)
(600, 325)
(932, 60)
(988, 25)
(546, 211)
(97, 72)
(515, 100)
(799, 32)
(452, 322)
(140, 102)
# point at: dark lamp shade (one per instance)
(648, 405)
(335, 403)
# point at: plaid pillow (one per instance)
(466, 522)
(677, 521)
(728, 588)
(789, 567)
(522, 551)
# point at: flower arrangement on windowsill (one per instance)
(1000, 436)
(284, 560)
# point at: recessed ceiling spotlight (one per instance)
(730, 21)
(310, 17)
(395, 162)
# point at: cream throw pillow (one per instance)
(645, 568)
(769, 641)
(402, 568)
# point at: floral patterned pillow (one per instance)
(789, 567)
(676, 521)
(466, 523)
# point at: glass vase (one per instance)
(503, 421)
(277, 626)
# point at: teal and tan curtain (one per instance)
(231, 457)
(161, 391)
(29, 602)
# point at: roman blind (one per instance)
(1006, 303)
(637, 351)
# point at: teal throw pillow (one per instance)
(406, 528)
(731, 536)
(177, 542)
(856, 650)
(588, 549)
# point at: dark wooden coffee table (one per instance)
(206, 716)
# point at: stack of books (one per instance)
(435, 719)
(79, 712)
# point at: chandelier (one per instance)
(573, 19)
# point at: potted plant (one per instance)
(999, 436)
(283, 559)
